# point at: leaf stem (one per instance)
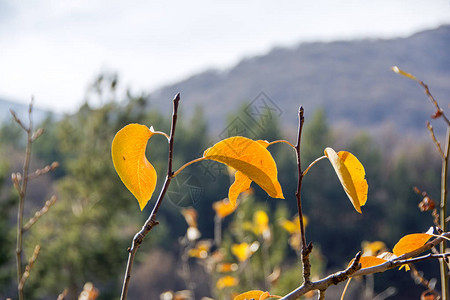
(312, 164)
(187, 164)
(151, 221)
(163, 134)
(282, 141)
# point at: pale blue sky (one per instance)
(53, 49)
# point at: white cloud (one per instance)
(52, 49)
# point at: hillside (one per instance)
(351, 80)
(21, 110)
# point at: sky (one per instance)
(53, 50)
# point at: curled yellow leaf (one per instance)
(251, 158)
(130, 162)
(241, 183)
(410, 243)
(351, 174)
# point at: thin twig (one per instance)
(324, 283)
(151, 221)
(39, 213)
(28, 268)
(22, 193)
(391, 264)
(436, 142)
(438, 109)
(44, 170)
(443, 215)
(306, 250)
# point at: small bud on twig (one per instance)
(37, 134)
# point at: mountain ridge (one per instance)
(350, 80)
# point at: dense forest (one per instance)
(85, 235)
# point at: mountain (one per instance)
(21, 111)
(351, 80)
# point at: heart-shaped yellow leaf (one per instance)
(410, 243)
(250, 158)
(351, 175)
(128, 155)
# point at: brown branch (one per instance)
(443, 215)
(354, 269)
(28, 268)
(324, 283)
(392, 263)
(22, 193)
(151, 221)
(39, 213)
(438, 109)
(306, 250)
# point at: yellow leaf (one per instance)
(251, 158)
(201, 251)
(401, 72)
(293, 226)
(249, 295)
(128, 155)
(223, 208)
(370, 261)
(261, 221)
(241, 183)
(410, 243)
(255, 295)
(226, 281)
(226, 267)
(241, 251)
(351, 174)
(373, 248)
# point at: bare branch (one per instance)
(39, 213)
(324, 283)
(28, 268)
(392, 263)
(151, 221)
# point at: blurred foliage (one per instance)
(85, 235)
